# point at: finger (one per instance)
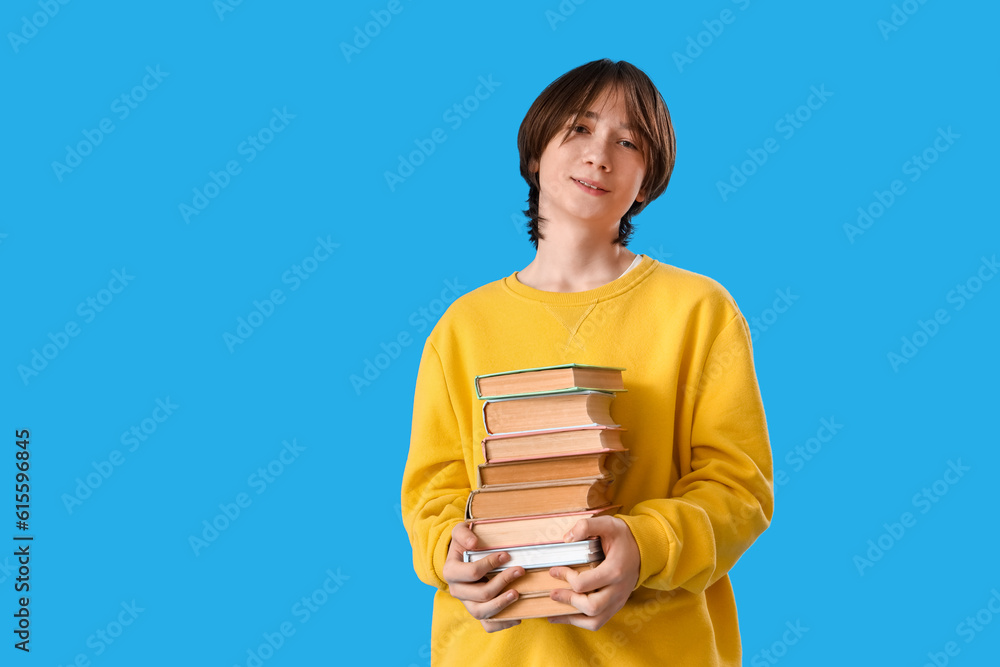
(595, 612)
(563, 574)
(567, 619)
(483, 592)
(495, 626)
(457, 571)
(586, 581)
(484, 566)
(606, 573)
(599, 526)
(463, 537)
(578, 532)
(496, 605)
(490, 608)
(598, 607)
(580, 621)
(589, 604)
(504, 579)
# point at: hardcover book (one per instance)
(542, 468)
(533, 498)
(564, 441)
(534, 606)
(526, 530)
(543, 556)
(564, 377)
(548, 411)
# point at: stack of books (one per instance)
(548, 465)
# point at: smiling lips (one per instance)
(591, 187)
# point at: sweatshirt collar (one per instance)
(618, 286)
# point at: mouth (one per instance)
(593, 185)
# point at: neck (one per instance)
(575, 260)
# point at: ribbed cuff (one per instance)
(441, 551)
(654, 546)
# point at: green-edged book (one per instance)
(548, 379)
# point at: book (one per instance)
(551, 451)
(549, 378)
(535, 582)
(520, 531)
(548, 411)
(533, 498)
(553, 468)
(543, 556)
(537, 606)
(553, 442)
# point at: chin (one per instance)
(599, 218)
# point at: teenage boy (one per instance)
(596, 147)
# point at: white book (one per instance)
(539, 556)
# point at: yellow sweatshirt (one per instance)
(696, 494)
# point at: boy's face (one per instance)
(594, 176)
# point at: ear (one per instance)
(641, 196)
(533, 166)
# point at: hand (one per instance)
(467, 582)
(599, 593)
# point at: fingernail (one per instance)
(503, 558)
(511, 595)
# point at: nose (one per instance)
(597, 154)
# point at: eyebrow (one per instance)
(593, 115)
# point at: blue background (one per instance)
(451, 224)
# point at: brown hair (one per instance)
(571, 95)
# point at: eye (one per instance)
(628, 144)
(580, 128)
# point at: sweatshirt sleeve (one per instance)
(435, 481)
(724, 498)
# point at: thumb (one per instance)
(579, 531)
(463, 537)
